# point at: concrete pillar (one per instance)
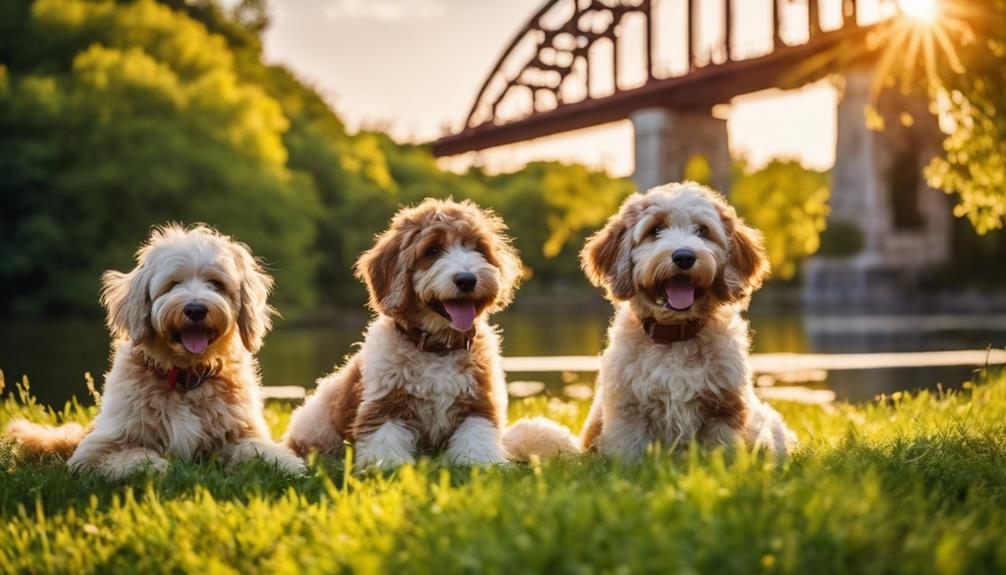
(666, 140)
(856, 195)
(899, 239)
(650, 127)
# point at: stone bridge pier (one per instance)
(886, 226)
(666, 139)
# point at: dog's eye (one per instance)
(656, 230)
(702, 231)
(432, 251)
(218, 286)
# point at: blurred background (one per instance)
(864, 138)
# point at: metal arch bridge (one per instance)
(542, 83)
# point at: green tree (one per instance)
(133, 115)
(972, 106)
(552, 207)
(789, 204)
(116, 115)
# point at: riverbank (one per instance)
(774, 299)
(911, 484)
(57, 353)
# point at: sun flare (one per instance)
(922, 10)
(924, 37)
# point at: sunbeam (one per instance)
(921, 38)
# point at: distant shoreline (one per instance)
(771, 300)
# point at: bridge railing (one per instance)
(570, 52)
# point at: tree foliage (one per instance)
(119, 115)
(789, 203)
(123, 117)
(973, 109)
(554, 207)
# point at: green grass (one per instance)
(906, 484)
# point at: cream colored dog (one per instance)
(680, 267)
(184, 381)
(428, 378)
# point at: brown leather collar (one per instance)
(668, 333)
(423, 342)
(179, 378)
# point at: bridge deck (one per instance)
(700, 89)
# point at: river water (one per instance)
(56, 354)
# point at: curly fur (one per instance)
(142, 421)
(697, 389)
(538, 437)
(394, 400)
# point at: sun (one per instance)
(925, 35)
(922, 10)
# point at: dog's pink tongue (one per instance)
(195, 338)
(680, 293)
(462, 312)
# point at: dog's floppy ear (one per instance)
(126, 298)
(511, 269)
(255, 316)
(748, 265)
(605, 258)
(502, 254)
(383, 269)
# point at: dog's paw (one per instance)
(476, 442)
(290, 464)
(489, 451)
(279, 455)
(158, 464)
(382, 461)
(129, 463)
(479, 460)
(392, 445)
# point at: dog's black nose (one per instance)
(195, 311)
(683, 258)
(465, 281)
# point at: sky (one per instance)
(414, 67)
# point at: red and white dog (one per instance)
(428, 377)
